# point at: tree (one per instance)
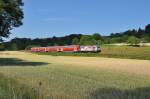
(100, 42)
(133, 40)
(107, 40)
(2, 47)
(140, 33)
(97, 36)
(21, 43)
(147, 29)
(146, 39)
(115, 35)
(14, 47)
(87, 40)
(124, 38)
(116, 40)
(75, 41)
(31, 46)
(11, 16)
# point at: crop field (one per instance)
(30, 76)
(130, 52)
(126, 52)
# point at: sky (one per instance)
(48, 18)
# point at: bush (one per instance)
(14, 47)
(133, 41)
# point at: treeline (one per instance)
(25, 43)
(142, 34)
(133, 37)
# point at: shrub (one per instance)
(133, 41)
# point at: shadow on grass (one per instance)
(113, 93)
(19, 62)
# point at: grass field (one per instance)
(113, 52)
(126, 52)
(11, 89)
(67, 77)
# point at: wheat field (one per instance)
(68, 77)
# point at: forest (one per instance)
(133, 37)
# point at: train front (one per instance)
(93, 48)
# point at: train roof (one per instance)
(58, 46)
(67, 46)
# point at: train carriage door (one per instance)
(57, 49)
(75, 49)
(61, 49)
(45, 49)
(37, 49)
(94, 48)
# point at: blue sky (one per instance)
(46, 18)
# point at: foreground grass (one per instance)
(11, 89)
(57, 82)
(61, 81)
(113, 52)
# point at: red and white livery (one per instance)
(89, 49)
(71, 48)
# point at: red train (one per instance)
(71, 48)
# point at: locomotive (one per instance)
(71, 48)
